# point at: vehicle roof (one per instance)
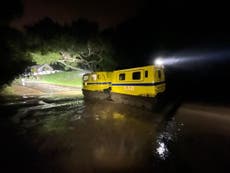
(138, 68)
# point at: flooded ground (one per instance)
(68, 135)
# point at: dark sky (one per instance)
(105, 12)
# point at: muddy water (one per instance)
(67, 134)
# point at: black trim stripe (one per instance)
(138, 84)
(98, 83)
(126, 84)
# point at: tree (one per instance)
(94, 56)
(79, 46)
(13, 57)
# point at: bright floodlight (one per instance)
(158, 62)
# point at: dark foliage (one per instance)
(13, 59)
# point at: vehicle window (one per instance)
(136, 75)
(146, 74)
(86, 77)
(94, 77)
(122, 76)
(159, 74)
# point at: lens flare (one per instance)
(191, 58)
(159, 62)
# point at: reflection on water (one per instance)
(166, 137)
(162, 150)
(70, 135)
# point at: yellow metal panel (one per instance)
(149, 85)
(97, 81)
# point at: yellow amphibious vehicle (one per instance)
(97, 85)
(136, 86)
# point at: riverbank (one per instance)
(36, 88)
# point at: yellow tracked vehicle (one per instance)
(97, 85)
(135, 86)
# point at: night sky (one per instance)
(106, 13)
(109, 13)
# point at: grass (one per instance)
(7, 90)
(73, 78)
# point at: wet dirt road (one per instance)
(68, 135)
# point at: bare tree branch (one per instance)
(67, 65)
(88, 58)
